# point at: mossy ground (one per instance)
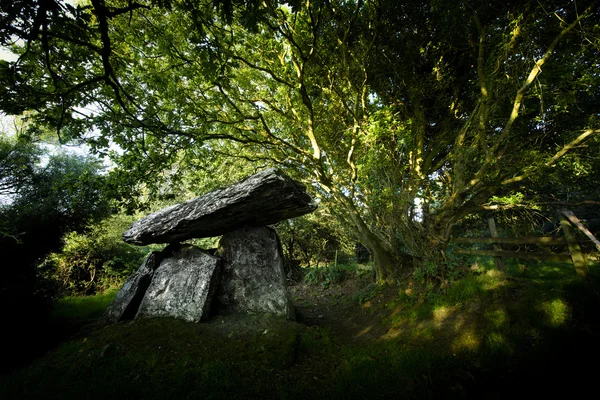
(528, 331)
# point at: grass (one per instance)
(530, 331)
(83, 308)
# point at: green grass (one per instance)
(530, 331)
(83, 307)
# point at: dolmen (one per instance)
(244, 275)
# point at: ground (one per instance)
(340, 309)
(487, 334)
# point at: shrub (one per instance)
(328, 274)
(93, 261)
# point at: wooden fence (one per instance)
(569, 239)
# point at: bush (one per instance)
(333, 273)
(314, 239)
(93, 261)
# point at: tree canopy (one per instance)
(403, 117)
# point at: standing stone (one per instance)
(265, 198)
(182, 286)
(126, 303)
(252, 277)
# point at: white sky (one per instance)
(7, 55)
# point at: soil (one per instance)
(339, 309)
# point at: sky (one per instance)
(7, 55)
(6, 121)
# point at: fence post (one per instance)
(576, 254)
(499, 260)
(575, 221)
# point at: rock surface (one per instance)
(126, 303)
(182, 286)
(265, 198)
(252, 275)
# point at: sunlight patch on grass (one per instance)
(423, 332)
(392, 334)
(84, 307)
(556, 312)
(441, 314)
(365, 331)
(493, 279)
(462, 291)
(468, 340)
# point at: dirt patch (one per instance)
(352, 310)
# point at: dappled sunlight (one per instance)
(365, 331)
(367, 304)
(551, 271)
(556, 312)
(459, 323)
(467, 340)
(449, 322)
(493, 279)
(440, 314)
(393, 333)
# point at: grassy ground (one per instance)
(533, 330)
(88, 308)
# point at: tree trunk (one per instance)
(385, 262)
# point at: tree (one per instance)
(476, 115)
(64, 195)
(17, 162)
(403, 117)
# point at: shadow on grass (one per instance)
(34, 331)
(532, 330)
(489, 335)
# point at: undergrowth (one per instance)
(528, 331)
(335, 273)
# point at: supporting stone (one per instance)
(126, 303)
(182, 286)
(252, 277)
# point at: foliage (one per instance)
(446, 271)
(65, 194)
(94, 261)
(17, 163)
(367, 293)
(55, 194)
(83, 308)
(327, 274)
(402, 117)
(333, 273)
(313, 239)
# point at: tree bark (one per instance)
(386, 264)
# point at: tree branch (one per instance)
(554, 158)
